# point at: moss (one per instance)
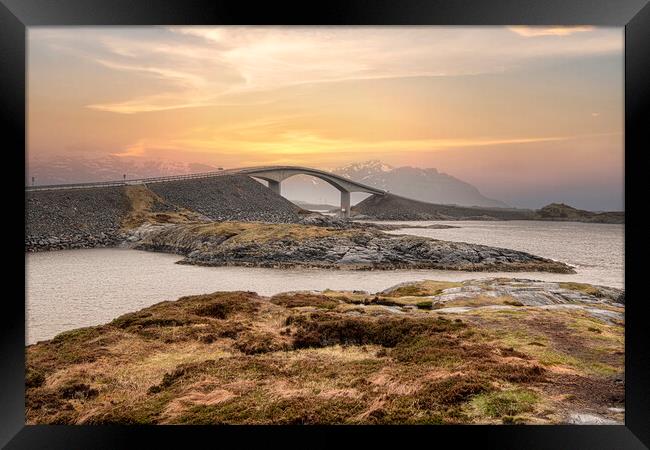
(513, 303)
(33, 378)
(510, 420)
(258, 407)
(84, 345)
(505, 403)
(514, 372)
(221, 305)
(148, 412)
(182, 371)
(323, 329)
(77, 335)
(299, 299)
(248, 232)
(256, 343)
(581, 287)
(451, 391)
(250, 360)
(77, 391)
(421, 288)
(428, 349)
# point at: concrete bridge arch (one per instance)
(274, 175)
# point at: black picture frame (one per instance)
(634, 15)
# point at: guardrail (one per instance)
(243, 171)
(130, 182)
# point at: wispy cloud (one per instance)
(199, 66)
(528, 31)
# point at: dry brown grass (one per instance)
(421, 288)
(143, 201)
(581, 287)
(482, 300)
(301, 299)
(244, 232)
(300, 358)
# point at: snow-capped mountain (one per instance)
(427, 185)
(416, 183)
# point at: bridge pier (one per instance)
(345, 204)
(274, 186)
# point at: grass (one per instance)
(562, 339)
(300, 299)
(143, 200)
(581, 287)
(421, 288)
(505, 404)
(304, 358)
(249, 232)
(483, 300)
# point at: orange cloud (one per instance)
(527, 31)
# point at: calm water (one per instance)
(75, 288)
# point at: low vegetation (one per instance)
(147, 207)
(329, 358)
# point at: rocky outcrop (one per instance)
(562, 212)
(271, 245)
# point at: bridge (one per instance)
(273, 175)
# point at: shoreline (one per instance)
(415, 333)
(352, 248)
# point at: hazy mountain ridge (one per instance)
(427, 185)
(68, 169)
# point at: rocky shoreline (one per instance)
(291, 245)
(141, 218)
(394, 207)
(494, 351)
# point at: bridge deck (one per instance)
(250, 171)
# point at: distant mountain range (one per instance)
(64, 169)
(426, 185)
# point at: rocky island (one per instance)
(490, 351)
(297, 245)
(202, 229)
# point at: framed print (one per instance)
(394, 219)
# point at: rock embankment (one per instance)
(394, 207)
(292, 245)
(74, 218)
(95, 217)
(493, 351)
(228, 197)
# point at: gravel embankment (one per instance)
(394, 207)
(74, 218)
(228, 197)
(87, 218)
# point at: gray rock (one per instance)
(590, 419)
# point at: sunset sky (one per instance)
(529, 115)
